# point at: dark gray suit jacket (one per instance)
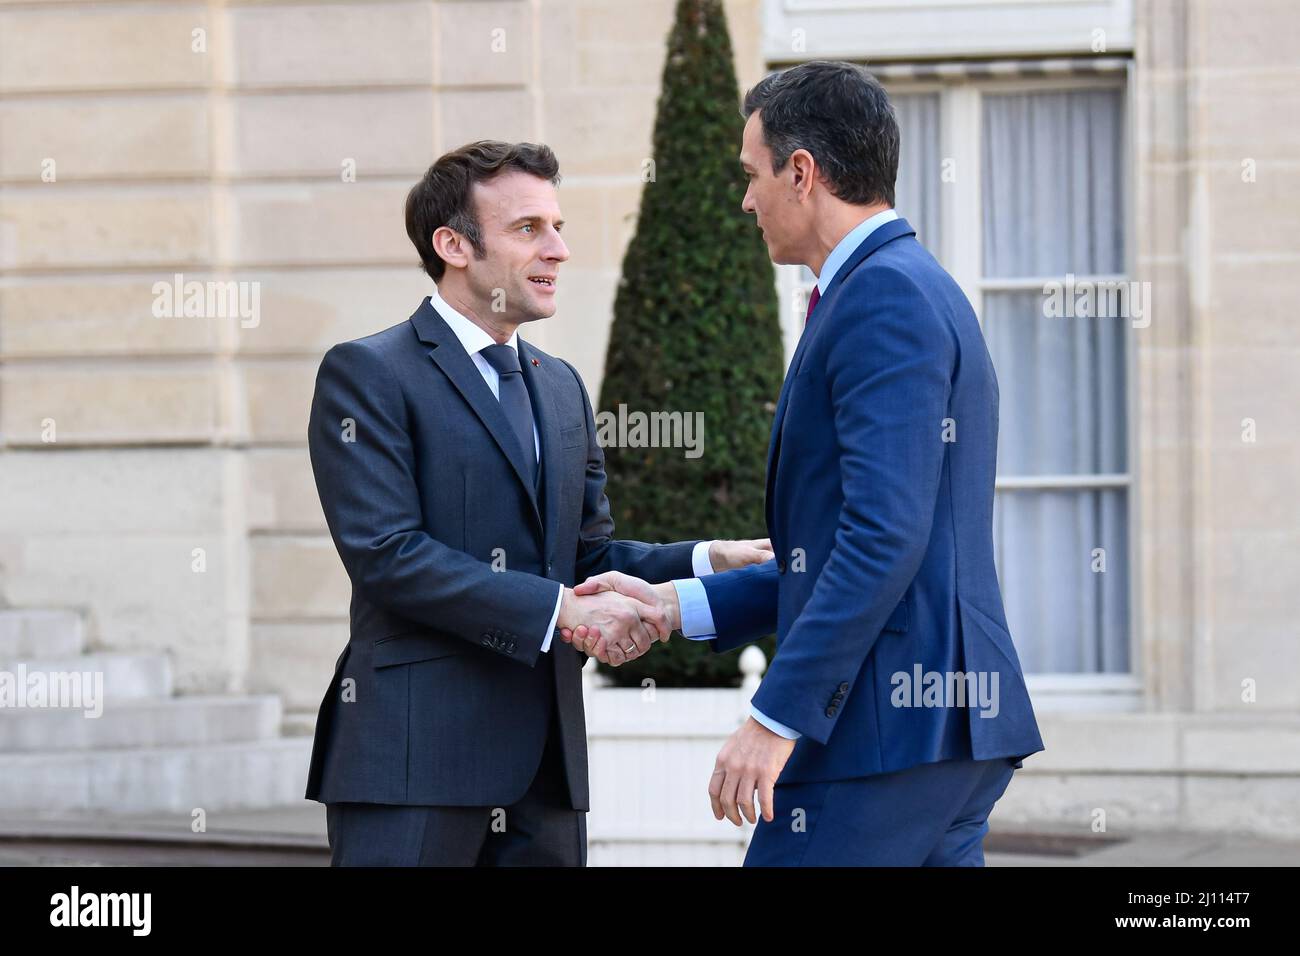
(442, 696)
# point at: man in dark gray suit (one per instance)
(459, 472)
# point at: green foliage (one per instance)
(695, 330)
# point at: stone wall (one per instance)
(1217, 220)
(215, 140)
(172, 435)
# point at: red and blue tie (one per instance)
(812, 303)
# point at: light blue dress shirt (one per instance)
(697, 618)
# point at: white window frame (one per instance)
(960, 140)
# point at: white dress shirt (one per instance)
(475, 339)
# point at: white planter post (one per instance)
(753, 662)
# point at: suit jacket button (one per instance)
(548, 567)
(831, 711)
(780, 566)
(844, 688)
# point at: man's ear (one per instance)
(803, 170)
(451, 246)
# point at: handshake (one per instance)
(615, 617)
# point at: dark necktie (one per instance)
(514, 399)
(812, 303)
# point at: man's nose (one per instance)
(747, 204)
(557, 251)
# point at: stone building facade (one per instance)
(153, 473)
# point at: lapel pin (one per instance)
(536, 364)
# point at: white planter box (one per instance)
(651, 754)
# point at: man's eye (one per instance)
(527, 225)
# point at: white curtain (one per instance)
(1053, 204)
(1052, 181)
(919, 165)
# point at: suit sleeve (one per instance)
(366, 481)
(743, 604)
(597, 550)
(890, 378)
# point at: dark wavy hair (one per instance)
(442, 196)
(841, 114)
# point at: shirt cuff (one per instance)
(773, 725)
(700, 563)
(550, 631)
(697, 619)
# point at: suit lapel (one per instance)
(891, 230)
(450, 356)
(539, 376)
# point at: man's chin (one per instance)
(776, 254)
(539, 310)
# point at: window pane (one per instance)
(916, 195)
(1053, 204)
(1053, 183)
(1065, 617)
(1062, 385)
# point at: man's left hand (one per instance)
(751, 759)
(730, 555)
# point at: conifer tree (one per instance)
(695, 330)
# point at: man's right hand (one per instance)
(628, 626)
(660, 600)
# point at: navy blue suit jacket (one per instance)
(442, 696)
(880, 509)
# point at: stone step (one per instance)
(125, 676)
(149, 722)
(178, 780)
(40, 633)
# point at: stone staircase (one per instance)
(147, 751)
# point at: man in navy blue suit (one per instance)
(894, 711)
